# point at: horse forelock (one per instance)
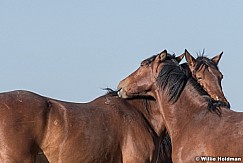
(203, 60)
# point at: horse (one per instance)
(107, 129)
(196, 126)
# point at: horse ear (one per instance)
(217, 58)
(190, 59)
(161, 56)
(180, 57)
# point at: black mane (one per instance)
(173, 78)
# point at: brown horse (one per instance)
(196, 126)
(107, 129)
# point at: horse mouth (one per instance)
(122, 93)
(219, 103)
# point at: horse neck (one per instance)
(177, 115)
(150, 111)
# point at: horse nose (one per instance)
(224, 101)
(119, 92)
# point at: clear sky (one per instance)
(69, 50)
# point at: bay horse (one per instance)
(107, 130)
(196, 126)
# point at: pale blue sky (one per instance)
(69, 50)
